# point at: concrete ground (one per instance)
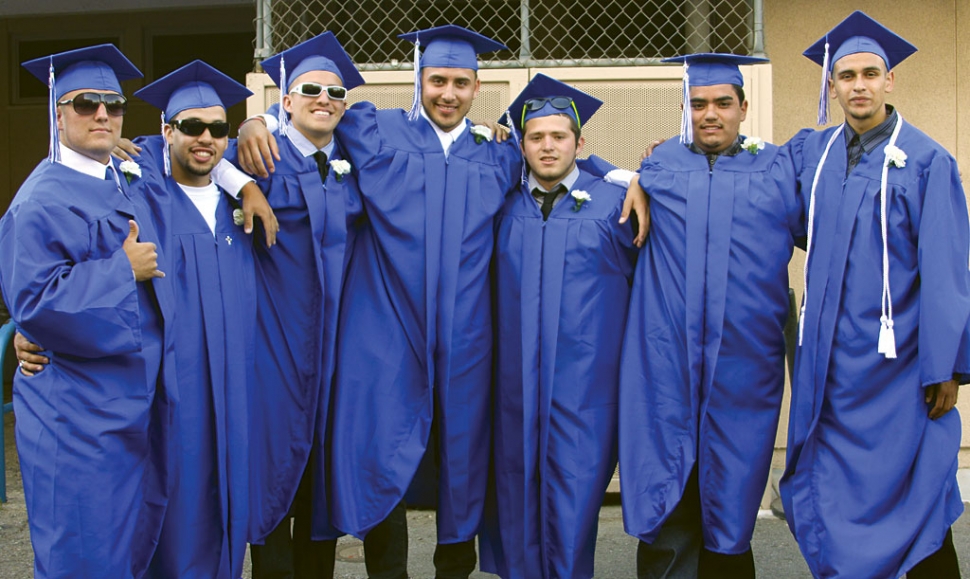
(776, 554)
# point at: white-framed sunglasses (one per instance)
(315, 89)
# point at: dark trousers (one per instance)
(678, 551)
(292, 555)
(942, 564)
(386, 551)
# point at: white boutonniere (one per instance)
(130, 169)
(752, 145)
(580, 197)
(237, 217)
(340, 168)
(481, 133)
(896, 156)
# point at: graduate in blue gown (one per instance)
(702, 370)
(211, 270)
(314, 195)
(80, 275)
(870, 486)
(415, 337)
(563, 267)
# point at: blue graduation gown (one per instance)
(415, 336)
(702, 370)
(204, 533)
(866, 466)
(562, 289)
(298, 285)
(93, 428)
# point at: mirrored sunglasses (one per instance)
(314, 89)
(560, 102)
(87, 103)
(195, 127)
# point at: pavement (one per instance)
(775, 552)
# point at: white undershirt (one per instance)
(206, 200)
(447, 138)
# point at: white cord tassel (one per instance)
(686, 124)
(887, 337)
(514, 135)
(823, 95)
(285, 89)
(54, 151)
(811, 229)
(415, 111)
(165, 153)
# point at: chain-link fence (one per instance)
(539, 33)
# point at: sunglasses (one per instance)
(315, 89)
(559, 102)
(87, 103)
(195, 128)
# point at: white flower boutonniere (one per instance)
(237, 217)
(340, 168)
(895, 156)
(130, 169)
(752, 145)
(580, 197)
(482, 133)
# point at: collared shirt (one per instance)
(305, 147)
(447, 138)
(568, 181)
(731, 151)
(856, 145)
(83, 164)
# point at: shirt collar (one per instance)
(876, 135)
(305, 147)
(569, 180)
(731, 151)
(446, 137)
(78, 162)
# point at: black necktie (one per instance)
(548, 198)
(854, 154)
(321, 158)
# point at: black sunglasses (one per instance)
(560, 102)
(314, 89)
(195, 127)
(87, 103)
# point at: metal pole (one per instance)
(525, 52)
(264, 29)
(698, 26)
(758, 29)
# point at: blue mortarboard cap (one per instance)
(451, 46)
(194, 86)
(322, 52)
(860, 33)
(857, 33)
(712, 68)
(100, 67)
(581, 108)
(708, 69)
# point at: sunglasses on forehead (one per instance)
(314, 89)
(195, 128)
(560, 102)
(87, 103)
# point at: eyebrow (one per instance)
(720, 99)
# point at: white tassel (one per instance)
(54, 151)
(823, 95)
(415, 111)
(284, 88)
(165, 153)
(686, 123)
(811, 226)
(887, 338)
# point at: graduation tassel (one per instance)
(811, 227)
(165, 147)
(54, 151)
(823, 95)
(415, 111)
(282, 117)
(887, 336)
(514, 135)
(686, 124)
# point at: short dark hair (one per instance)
(740, 92)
